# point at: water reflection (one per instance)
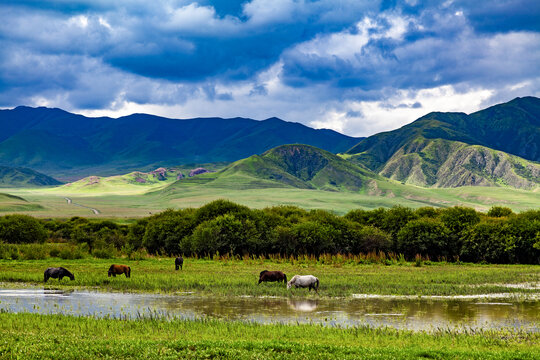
(414, 314)
(302, 305)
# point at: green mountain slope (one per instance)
(21, 177)
(132, 183)
(512, 127)
(72, 146)
(288, 166)
(446, 163)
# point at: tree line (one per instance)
(224, 227)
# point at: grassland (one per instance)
(339, 277)
(52, 203)
(53, 336)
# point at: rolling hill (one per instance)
(289, 166)
(22, 177)
(71, 146)
(498, 146)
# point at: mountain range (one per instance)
(498, 146)
(70, 146)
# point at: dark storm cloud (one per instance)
(94, 53)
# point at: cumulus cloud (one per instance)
(353, 66)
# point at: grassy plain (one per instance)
(338, 277)
(122, 203)
(32, 336)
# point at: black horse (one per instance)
(178, 262)
(57, 273)
(270, 276)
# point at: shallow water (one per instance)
(402, 313)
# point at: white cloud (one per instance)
(262, 12)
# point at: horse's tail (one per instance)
(284, 278)
(317, 282)
(129, 272)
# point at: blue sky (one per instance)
(356, 66)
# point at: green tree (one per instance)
(165, 231)
(21, 229)
(423, 236)
(458, 219)
(224, 234)
(487, 241)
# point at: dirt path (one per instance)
(70, 202)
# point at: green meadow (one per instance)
(32, 336)
(340, 276)
(132, 201)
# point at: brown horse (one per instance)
(271, 276)
(119, 270)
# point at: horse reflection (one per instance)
(302, 305)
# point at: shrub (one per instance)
(499, 211)
(71, 252)
(21, 229)
(425, 237)
(33, 251)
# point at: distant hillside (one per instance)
(296, 166)
(446, 163)
(21, 177)
(512, 127)
(64, 144)
(131, 183)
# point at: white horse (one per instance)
(304, 281)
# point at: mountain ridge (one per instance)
(75, 144)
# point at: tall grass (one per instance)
(66, 337)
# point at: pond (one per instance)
(426, 313)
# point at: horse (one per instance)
(270, 276)
(304, 281)
(178, 262)
(57, 273)
(119, 270)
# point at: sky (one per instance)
(358, 67)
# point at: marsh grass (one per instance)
(232, 276)
(67, 337)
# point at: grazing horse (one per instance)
(304, 281)
(57, 273)
(270, 276)
(119, 270)
(178, 262)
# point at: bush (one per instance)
(33, 251)
(425, 237)
(21, 229)
(499, 211)
(105, 253)
(9, 251)
(71, 253)
(164, 232)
